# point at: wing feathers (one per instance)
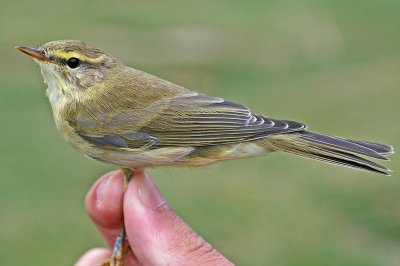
(194, 120)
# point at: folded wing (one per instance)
(192, 120)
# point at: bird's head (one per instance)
(71, 67)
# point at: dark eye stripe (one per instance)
(61, 61)
(64, 61)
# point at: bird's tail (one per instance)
(334, 150)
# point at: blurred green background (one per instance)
(332, 64)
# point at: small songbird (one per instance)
(126, 117)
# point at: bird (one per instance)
(131, 119)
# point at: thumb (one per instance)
(157, 235)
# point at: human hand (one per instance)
(157, 236)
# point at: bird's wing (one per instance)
(200, 120)
(191, 120)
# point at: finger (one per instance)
(93, 257)
(104, 205)
(156, 234)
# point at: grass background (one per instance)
(332, 64)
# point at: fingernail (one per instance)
(148, 193)
(103, 187)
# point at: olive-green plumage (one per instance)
(129, 118)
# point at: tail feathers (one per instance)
(370, 149)
(333, 150)
(382, 149)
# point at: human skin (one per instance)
(157, 236)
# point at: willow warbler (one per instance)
(126, 117)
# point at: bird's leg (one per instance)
(121, 248)
(127, 176)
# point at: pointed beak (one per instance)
(35, 53)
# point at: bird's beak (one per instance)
(35, 53)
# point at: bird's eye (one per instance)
(73, 62)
